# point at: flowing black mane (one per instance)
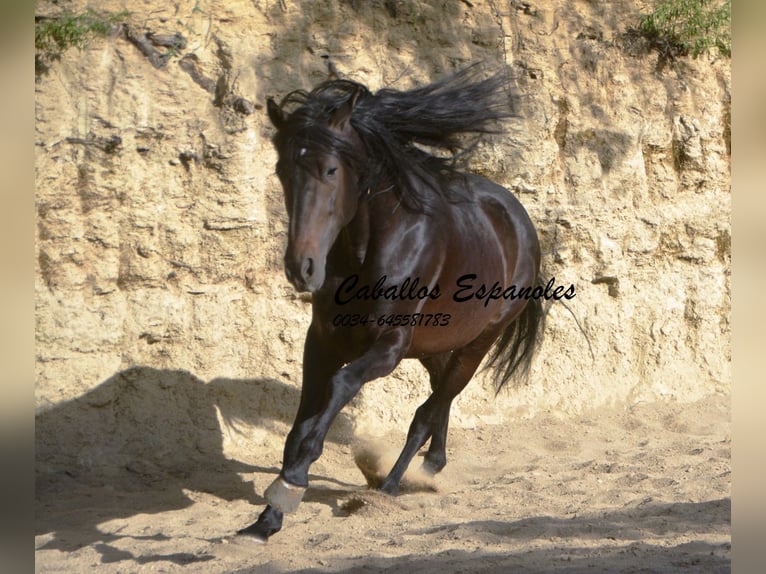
(398, 129)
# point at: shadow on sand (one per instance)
(136, 442)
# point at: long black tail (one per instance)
(513, 351)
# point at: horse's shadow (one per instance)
(136, 442)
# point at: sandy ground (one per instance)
(645, 489)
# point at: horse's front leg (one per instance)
(319, 365)
(306, 440)
(379, 360)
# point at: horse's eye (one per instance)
(332, 171)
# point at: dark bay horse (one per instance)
(405, 256)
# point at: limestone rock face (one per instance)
(161, 225)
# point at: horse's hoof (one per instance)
(431, 469)
(268, 524)
(253, 534)
(284, 496)
(390, 488)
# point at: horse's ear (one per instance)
(354, 97)
(276, 115)
(342, 115)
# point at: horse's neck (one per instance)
(355, 237)
(378, 216)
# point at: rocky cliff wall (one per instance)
(161, 227)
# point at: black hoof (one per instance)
(268, 524)
(254, 532)
(432, 468)
(390, 488)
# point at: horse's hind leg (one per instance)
(436, 457)
(431, 417)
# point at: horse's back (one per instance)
(493, 197)
(496, 219)
(490, 245)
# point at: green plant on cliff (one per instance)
(682, 27)
(56, 34)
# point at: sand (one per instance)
(640, 489)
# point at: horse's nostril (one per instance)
(308, 267)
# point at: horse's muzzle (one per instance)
(304, 274)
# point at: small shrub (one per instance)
(55, 35)
(682, 27)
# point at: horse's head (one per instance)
(319, 158)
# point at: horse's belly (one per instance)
(446, 327)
